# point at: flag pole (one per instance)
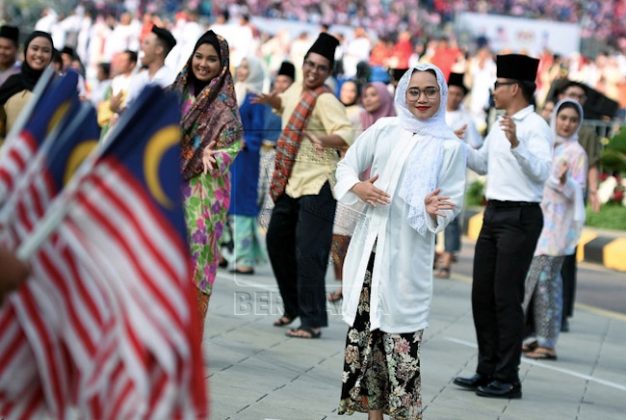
(59, 206)
(56, 211)
(7, 209)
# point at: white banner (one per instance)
(522, 34)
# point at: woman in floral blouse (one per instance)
(212, 135)
(563, 218)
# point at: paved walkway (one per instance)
(255, 372)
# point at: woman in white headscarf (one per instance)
(563, 218)
(244, 204)
(416, 188)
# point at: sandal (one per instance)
(283, 320)
(531, 346)
(237, 270)
(443, 273)
(542, 353)
(223, 263)
(309, 333)
(335, 296)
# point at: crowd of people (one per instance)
(360, 167)
(95, 40)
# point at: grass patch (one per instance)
(611, 216)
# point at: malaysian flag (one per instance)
(121, 218)
(129, 210)
(31, 315)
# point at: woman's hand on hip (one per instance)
(208, 157)
(369, 194)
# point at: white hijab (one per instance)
(579, 204)
(254, 81)
(424, 164)
(574, 137)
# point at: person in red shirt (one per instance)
(445, 56)
(403, 50)
(381, 52)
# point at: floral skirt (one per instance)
(381, 371)
(543, 299)
(206, 204)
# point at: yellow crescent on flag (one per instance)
(58, 115)
(77, 156)
(156, 148)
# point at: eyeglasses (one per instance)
(312, 66)
(498, 84)
(414, 94)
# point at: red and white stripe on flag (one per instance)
(14, 162)
(119, 222)
(63, 312)
(114, 255)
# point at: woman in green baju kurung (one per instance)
(212, 135)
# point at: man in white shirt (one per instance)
(358, 50)
(9, 39)
(516, 156)
(155, 47)
(48, 18)
(457, 118)
(122, 69)
(187, 33)
(124, 36)
(241, 41)
(462, 123)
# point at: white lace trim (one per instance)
(425, 162)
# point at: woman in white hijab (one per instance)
(416, 189)
(249, 79)
(244, 204)
(563, 218)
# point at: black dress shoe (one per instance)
(497, 389)
(472, 382)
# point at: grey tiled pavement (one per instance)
(255, 372)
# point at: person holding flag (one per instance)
(14, 272)
(212, 134)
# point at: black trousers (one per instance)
(504, 251)
(568, 272)
(298, 239)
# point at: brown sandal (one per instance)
(283, 320)
(542, 353)
(528, 347)
(303, 332)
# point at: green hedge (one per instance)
(611, 216)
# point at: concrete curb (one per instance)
(593, 247)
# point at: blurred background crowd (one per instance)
(377, 36)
